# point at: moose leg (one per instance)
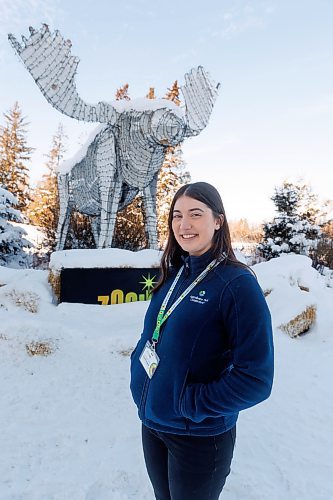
(115, 196)
(64, 212)
(149, 201)
(106, 168)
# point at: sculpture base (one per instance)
(93, 281)
(104, 286)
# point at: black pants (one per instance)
(187, 467)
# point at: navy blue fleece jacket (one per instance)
(215, 350)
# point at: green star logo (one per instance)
(148, 284)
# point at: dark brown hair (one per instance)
(221, 246)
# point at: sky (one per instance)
(274, 115)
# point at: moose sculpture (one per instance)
(128, 149)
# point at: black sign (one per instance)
(107, 286)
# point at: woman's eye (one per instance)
(196, 214)
(176, 216)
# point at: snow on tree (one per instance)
(14, 156)
(43, 211)
(12, 242)
(294, 229)
(322, 257)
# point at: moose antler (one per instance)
(200, 93)
(47, 56)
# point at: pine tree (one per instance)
(43, 211)
(12, 240)
(14, 156)
(294, 229)
(151, 93)
(173, 93)
(122, 93)
(130, 230)
(242, 231)
(80, 233)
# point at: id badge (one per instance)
(149, 359)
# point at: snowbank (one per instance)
(70, 428)
(104, 258)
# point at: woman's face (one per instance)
(194, 225)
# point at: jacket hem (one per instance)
(191, 431)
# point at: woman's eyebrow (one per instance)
(190, 210)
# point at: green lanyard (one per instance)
(161, 318)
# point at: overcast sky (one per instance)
(274, 115)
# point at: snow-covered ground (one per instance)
(69, 429)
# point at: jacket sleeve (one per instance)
(248, 380)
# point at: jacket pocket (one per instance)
(181, 394)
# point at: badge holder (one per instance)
(149, 359)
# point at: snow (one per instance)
(70, 429)
(12, 241)
(145, 104)
(140, 104)
(34, 234)
(104, 258)
(66, 166)
(283, 277)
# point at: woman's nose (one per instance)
(185, 223)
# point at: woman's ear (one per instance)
(219, 222)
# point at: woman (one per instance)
(206, 352)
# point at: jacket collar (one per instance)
(195, 265)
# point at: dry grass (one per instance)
(40, 348)
(27, 300)
(126, 352)
(301, 323)
(55, 281)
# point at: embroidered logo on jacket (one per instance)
(199, 299)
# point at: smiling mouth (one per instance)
(188, 236)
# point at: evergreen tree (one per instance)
(14, 156)
(242, 231)
(80, 233)
(122, 93)
(294, 229)
(12, 242)
(43, 211)
(130, 230)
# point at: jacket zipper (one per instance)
(147, 381)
